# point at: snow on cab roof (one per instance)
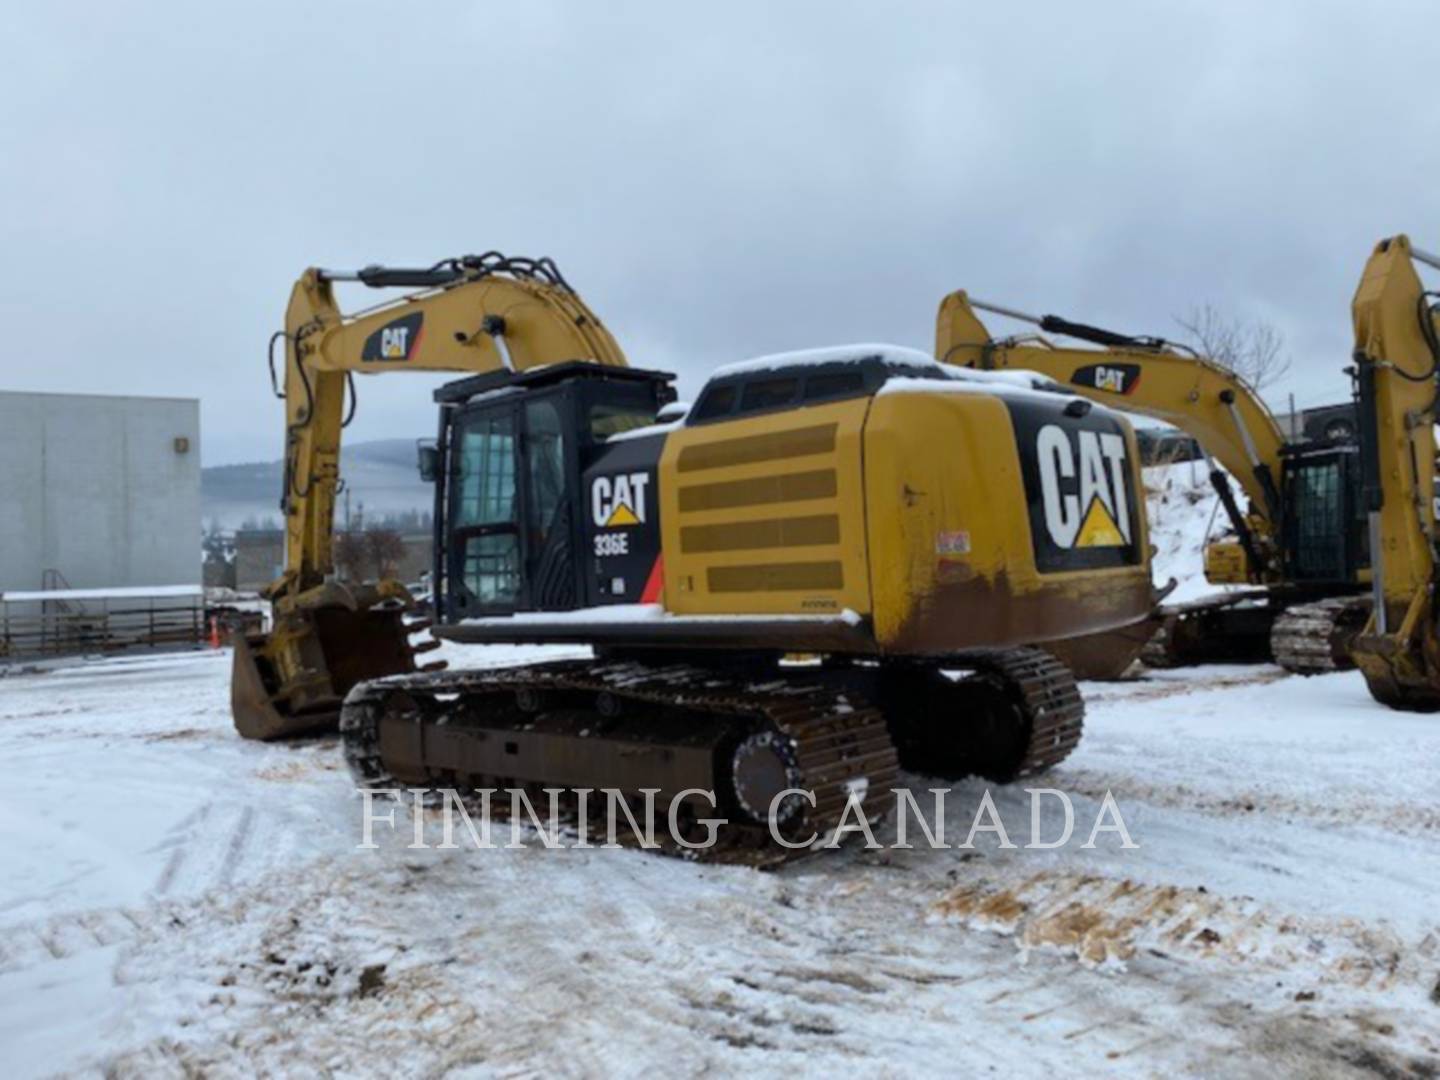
(1030, 386)
(920, 371)
(896, 355)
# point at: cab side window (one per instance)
(769, 393)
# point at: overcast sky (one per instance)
(717, 182)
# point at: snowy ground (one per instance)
(178, 901)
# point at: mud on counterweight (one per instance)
(627, 726)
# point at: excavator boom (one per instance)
(1228, 419)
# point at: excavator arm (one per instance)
(470, 315)
(1397, 354)
(1226, 417)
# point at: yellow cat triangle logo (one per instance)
(1099, 528)
(622, 515)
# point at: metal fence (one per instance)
(71, 622)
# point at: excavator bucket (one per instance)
(1400, 668)
(293, 680)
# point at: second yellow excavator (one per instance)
(1339, 536)
(1301, 542)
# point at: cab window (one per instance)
(718, 401)
(485, 526)
(769, 393)
(834, 384)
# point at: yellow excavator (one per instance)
(1301, 542)
(1319, 512)
(895, 519)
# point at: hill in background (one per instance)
(381, 475)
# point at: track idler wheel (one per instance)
(762, 767)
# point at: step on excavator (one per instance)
(912, 529)
(1300, 544)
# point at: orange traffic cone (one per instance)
(215, 642)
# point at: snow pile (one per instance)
(1183, 510)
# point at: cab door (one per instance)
(511, 538)
(484, 564)
(548, 479)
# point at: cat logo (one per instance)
(1084, 493)
(396, 341)
(618, 502)
(393, 342)
(1111, 378)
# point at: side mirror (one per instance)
(428, 461)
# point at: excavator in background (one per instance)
(1302, 542)
(892, 518)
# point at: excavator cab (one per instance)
(518, 499)
(1323, 531)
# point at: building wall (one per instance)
(95, 488)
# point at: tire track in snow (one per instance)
(235, 849)
(180, 837)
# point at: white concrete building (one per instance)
(103, 491)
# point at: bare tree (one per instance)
(1254, 349)
(386, 548)
(350, 555)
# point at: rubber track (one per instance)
(836, 744)
(1045, 692)
(838, 740)
(1305, 637)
